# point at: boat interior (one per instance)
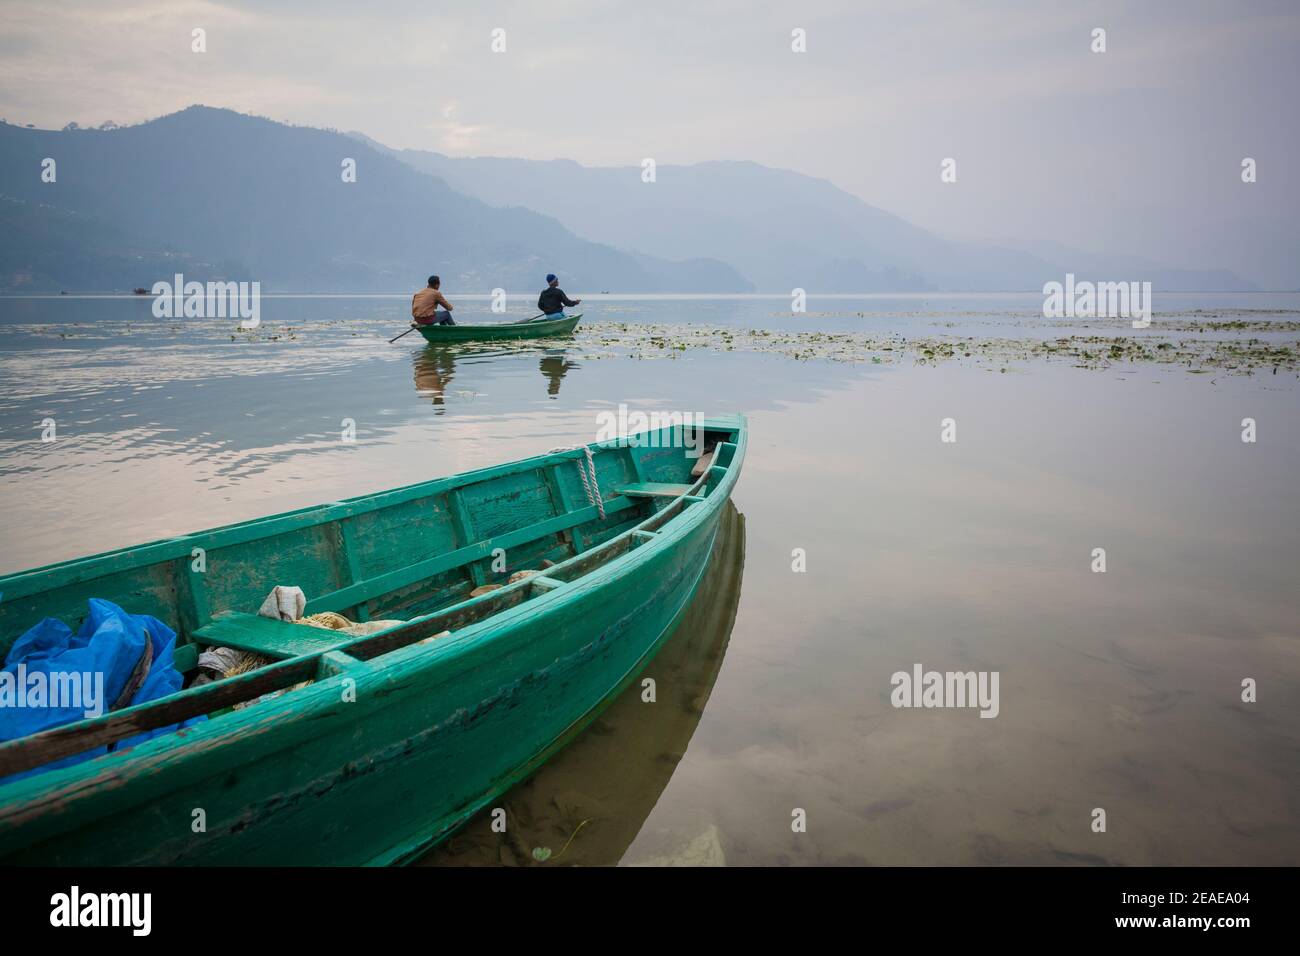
(432, 558)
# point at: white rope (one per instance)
(588, 476)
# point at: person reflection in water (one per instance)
(435, 367)
(554, 367)
(434, 370)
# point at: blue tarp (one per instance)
(52, 676)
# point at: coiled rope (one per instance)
(587, 472)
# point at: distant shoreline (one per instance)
(641, 296)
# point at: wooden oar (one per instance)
(407, 332)
(522, 321)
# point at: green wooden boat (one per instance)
(499, 331)
(373, 748)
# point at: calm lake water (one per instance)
(1118, 690)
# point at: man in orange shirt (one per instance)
(425, 303)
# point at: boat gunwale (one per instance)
(498, 329)
(19, 584)
(441, 652)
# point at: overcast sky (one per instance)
(1137, 149)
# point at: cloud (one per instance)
(1052, 140)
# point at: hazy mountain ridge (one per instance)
(248, 198)
(41, 244)
(781, 229)
(221, 194)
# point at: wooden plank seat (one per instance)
(282, 640)
(652, 489)
(356, 594)
(270, 638)
(703, 463)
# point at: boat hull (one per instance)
(441, 334)
(387, 757)
(628, 765)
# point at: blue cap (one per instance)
(550, 277)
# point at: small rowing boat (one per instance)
(343, 749)
(500, 331)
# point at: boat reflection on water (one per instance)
(436, 366)
(586, 805)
